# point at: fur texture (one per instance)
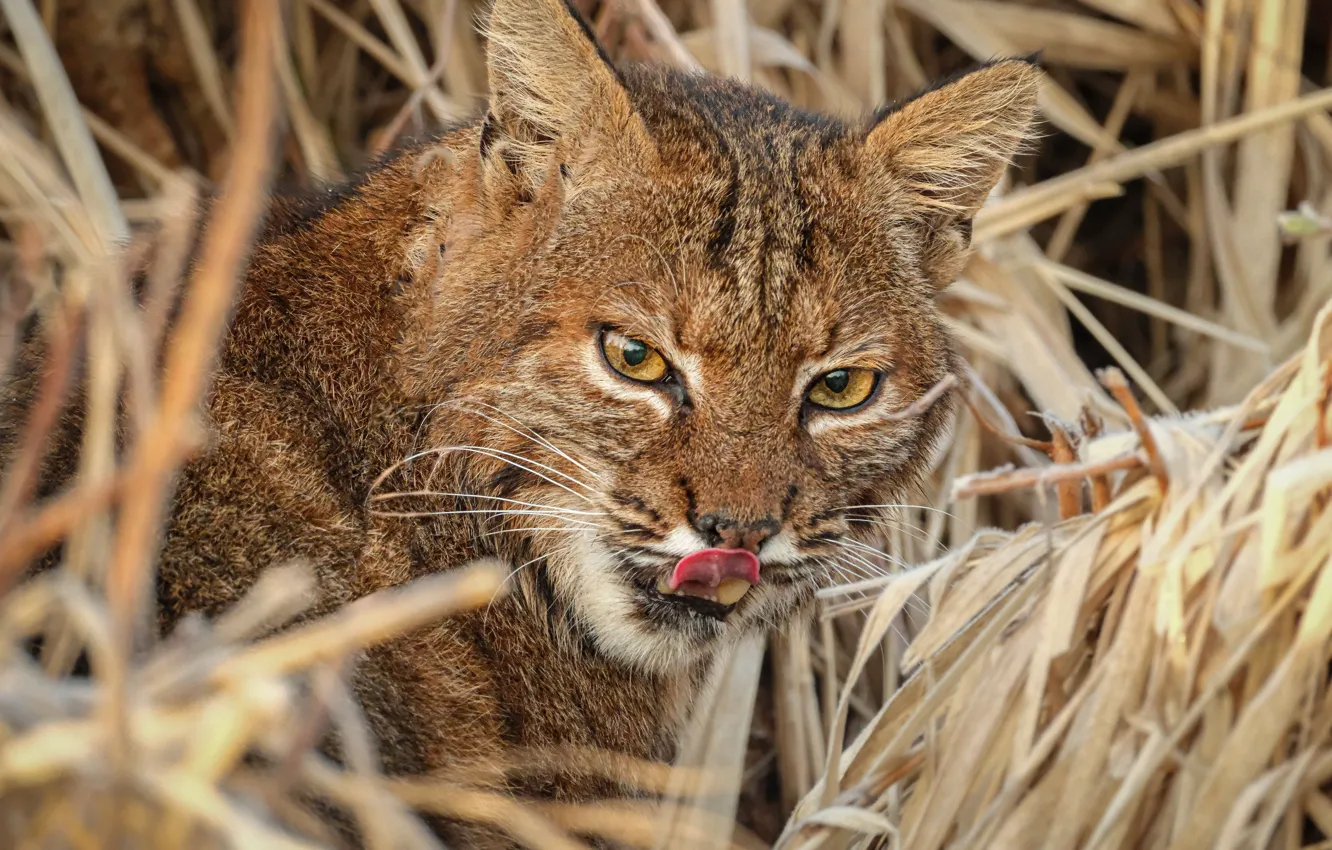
(413, 380)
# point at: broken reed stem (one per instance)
(192, 346)
(1013, 439)
(368, 621)
(1069, 490)
(867, 794)
(1100, 484)
(922, 404)
(1008, 479)
(1116, 383)
(991, 483)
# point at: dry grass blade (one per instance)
(1103, 335)
(1005, 216)
(1083, 282)
(205, 61)
(62, 113)
(528, 827)
(731, 31)
(1134, 638)
(113, 139)
(190, 353)
(187, 741)
(1066, 38)
(369, 621)
(1101, 761)
(713, 752)
(664, 33)
(316, 146)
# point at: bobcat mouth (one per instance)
(720, 576)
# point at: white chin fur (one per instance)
(606, 603)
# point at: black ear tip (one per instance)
(588, 32)
(1033, 59)
(575, 14)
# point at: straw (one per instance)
(1100, 621)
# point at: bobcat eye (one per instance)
(632, 358)
(842, 389)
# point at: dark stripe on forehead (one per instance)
(723, 226)
(767, 223)
(762, 223)
(804, 215)
(708, 102)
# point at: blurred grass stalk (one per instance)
(1058, 666)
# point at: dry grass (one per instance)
(1154, 672)
(1141, 650)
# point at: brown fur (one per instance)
(453, 297)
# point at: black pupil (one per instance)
(635, 352)
(837, 381)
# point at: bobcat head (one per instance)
(671, 322)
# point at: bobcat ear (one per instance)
(551, 87)
(949, 146)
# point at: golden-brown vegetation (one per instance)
(1143, 664)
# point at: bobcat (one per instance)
(638, 333)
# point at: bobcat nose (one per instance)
(723, 532)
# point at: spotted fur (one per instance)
(432, 329)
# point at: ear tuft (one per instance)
(951, 144)
(549, 82)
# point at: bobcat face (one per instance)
(699, 310)
(727, 386)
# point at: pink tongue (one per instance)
(710, 566)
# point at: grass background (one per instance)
(1173, 223)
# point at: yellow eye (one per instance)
(843, 388)
(633, 358)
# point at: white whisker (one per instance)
(847, 571)
(496, 454)
(909, 530)
(846, 543)
(918, 604)
(905, 506)
(852, 557)
(581, 530)
(529, 433)
(423, 493)
(858, 571)
(481, 511)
